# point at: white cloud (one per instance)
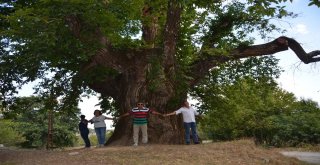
(300, 29)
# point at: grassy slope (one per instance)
(241, 152)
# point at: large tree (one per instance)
(131, 50)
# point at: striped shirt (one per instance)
(140, 115)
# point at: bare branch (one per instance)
(302, 55)
(201, 67)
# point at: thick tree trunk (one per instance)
(135, 87)
(160, 131)
(133, 84)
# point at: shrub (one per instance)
(291, 130)
(8, 134)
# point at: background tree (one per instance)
(154, 51)
(30, 116)
(299, 127)
(242, 99)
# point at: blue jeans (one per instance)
(187, 127)
(101, 134)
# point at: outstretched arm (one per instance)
(169, 114)
(123, 115)
(108, 118)
(156, 113)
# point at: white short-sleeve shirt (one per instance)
(188, 114)
(98, 122)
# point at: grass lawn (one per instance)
(240, 152)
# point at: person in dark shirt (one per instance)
(84, 131)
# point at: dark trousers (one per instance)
(85, 137)
(193, 127)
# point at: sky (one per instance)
(298, 78)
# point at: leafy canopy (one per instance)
(41, 39)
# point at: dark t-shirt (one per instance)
(83, 126)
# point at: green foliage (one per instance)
(301, 126)
(231, 93)
(109, 106)
(271, 116)
(242, 100)
(314, 2)
(9, 134)
(42, 37)
(43, 40)
(98, 74)
(32, 115)
(64, 135)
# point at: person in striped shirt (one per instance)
(140, 121)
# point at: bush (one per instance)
(36, 135)
(8, 134)
(294, 130)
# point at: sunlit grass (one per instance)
(240, 152)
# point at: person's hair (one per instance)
(82, 116)
(139, 102)
(183, 101)
(100, 113)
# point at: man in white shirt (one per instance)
(189, 121)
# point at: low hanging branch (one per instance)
(201, 67)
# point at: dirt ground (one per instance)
(242, 152)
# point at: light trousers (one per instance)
(144, 130)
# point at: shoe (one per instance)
(135, 144)
(196, 142)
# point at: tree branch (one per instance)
(302, 55)
(119, 64)
(201, 67)
(149, 26)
